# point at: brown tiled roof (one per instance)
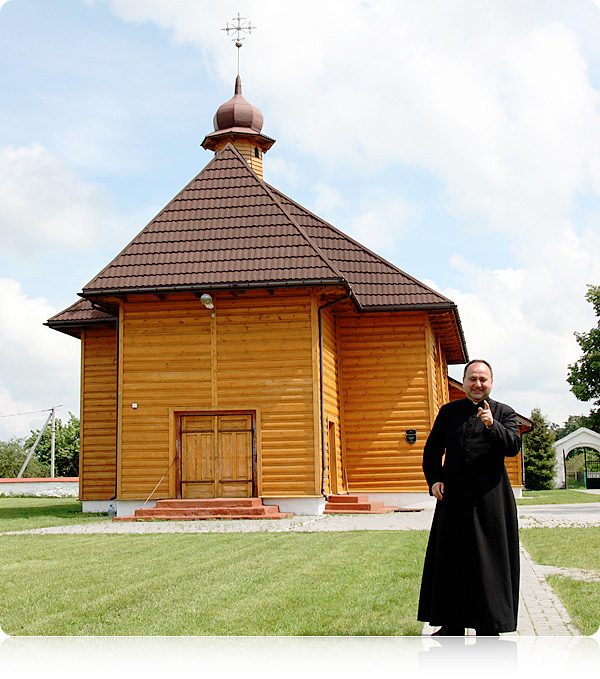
(227, 228)
(375, 282)
(82, 313)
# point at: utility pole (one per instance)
(52, 417)
(53, 442)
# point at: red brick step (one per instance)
(359, 504)
(212, 508)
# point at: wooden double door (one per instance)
(217, 455)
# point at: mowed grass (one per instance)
(36, 512)
(353, 583)
(554, 497)
(570, 548)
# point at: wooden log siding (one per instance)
(438, 372)
(98, 439)
(165, 361)
(255, 354)
(265, 360)
(514, 467)
(334, 476)
(385, 391)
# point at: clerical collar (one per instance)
(478, 404)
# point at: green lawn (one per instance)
(572, 548)
(354, 583)
(555, 497)
(239, 584)
(36, 512)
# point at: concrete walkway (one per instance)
(541, 612)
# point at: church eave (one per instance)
(231, 285)
(214, 139)
(74, 328)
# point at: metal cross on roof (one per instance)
(241, 26)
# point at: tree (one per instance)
(584, 374)
(66, 446)
(12, 456)
(539, 454)
(575, 422)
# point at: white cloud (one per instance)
(496, 101)
(493, 98)
(39, 368)
(380, 225)
(523, 321)
(43, 204)
(282, 171)
(328, 198)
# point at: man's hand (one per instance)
(437, 490)
(486, 415)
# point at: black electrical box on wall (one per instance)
(411, 435)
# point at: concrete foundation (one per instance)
(307, 506)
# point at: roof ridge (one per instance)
(381, 259)
(269, 191)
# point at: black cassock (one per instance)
(471, 570)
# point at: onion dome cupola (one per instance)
(240, 123)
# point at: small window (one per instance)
(256, 152)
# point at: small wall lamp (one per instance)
(207, 300)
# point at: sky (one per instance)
(459, 140)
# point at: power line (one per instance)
(31, 412)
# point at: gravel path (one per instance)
(530, 516)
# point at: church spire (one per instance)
(237, 121)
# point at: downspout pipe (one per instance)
(322, 390)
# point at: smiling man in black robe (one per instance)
(471, 570)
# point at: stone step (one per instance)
(209, 508)
(358, 506)
(385, 510)
(170, 517)
(355, 504)
(208, 511)
(212, 502)
(347, 498)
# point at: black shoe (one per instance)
(486, 633)
(449, 631)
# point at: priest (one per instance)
(471, 571)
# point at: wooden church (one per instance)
(242, 347)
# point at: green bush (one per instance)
(66, 446)
(12, 456)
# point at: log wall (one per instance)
(334, 473)
(165, 360)
(438, 373)
(256, 353)
(266, 359)
(98, 426)
(385, 391)
(383, 373)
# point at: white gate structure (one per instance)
(581, 438)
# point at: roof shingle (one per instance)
(228, 228)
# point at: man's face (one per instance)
(478, 382)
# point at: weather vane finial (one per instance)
(240, 30)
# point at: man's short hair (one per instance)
(478, 360)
